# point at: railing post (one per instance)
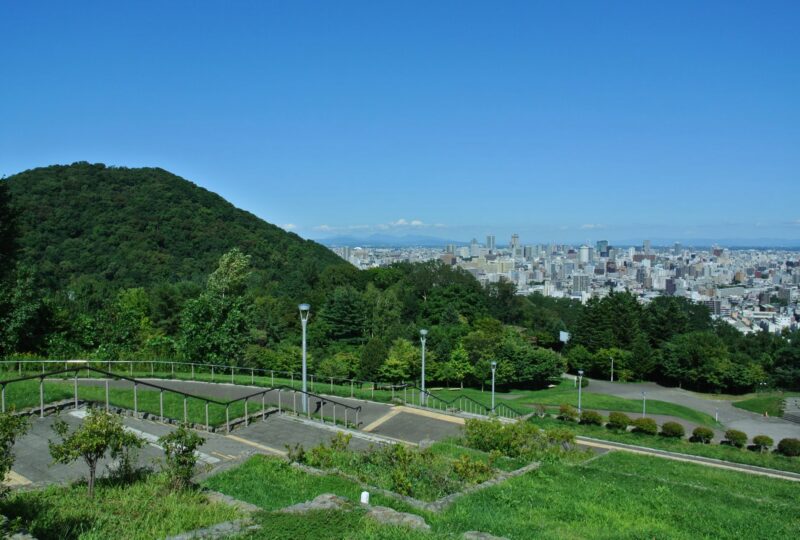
(161, 403)
(3, 391)
(227, 419)
(246, 423)
(130, 368)
(207, 426)
(272, 374)
(152, 369)
(334, 414)
(356, 418)
(212, 373)
(172, 366)
(252, 376)
(135, 398)
(41, 397)
(279, 401)
(76, 389)
(373, 390)
(331, 385)
(405, 394)
(351, 387)
(107, 404)
(232, 375)
(292, 374)
(192, 371)
(345, 417)
(263, 407)
(294, 401)
(392, 392)
(185, 412)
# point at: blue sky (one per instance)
(562, 121)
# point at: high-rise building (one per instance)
(450, 249)
(491, 242)
(602, 248)
(676, 249)
(583, 254)
(646, 247)
(580, 283)
(474, 248)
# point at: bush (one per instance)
(789, 447)
(471, 470)
(11, 427)
(672, 430)
(647, 426)
(734, 437)
(180, 448)
(618, 421)
(762, 443)
(561, 437)
(519, 439)
(702, 435)
(591, 418)
(567, 413)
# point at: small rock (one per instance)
(389, 516)
(424, 444)
(477, 535)
(326, 501)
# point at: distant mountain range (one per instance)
(387, 240)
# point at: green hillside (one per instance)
(104, 228)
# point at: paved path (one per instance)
(731, 417)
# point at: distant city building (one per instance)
(491, 243)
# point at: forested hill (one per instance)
(89, 226)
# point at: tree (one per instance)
(401, 360)
(373, 355)
(341, 365)
(100, 433)
(180, 449)
(457, 368)
(345, 315)
(8, 233)
(696, 360)
(12, 426)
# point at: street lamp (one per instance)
(580, 384)
(644, 403)
(304, 311)
(423, 336)
(494, 368)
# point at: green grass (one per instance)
(566, 392)
(683, 446)
(140, 511)
(772, 404)
(615, 496)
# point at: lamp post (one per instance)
(644, 403)
(580, 384)
(494, 368)
(612, 368)
(423, 336)
(304, 311)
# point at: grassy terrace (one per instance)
(614, 496)
(771, 403)
(140, 511)
(520, 400)
(683, 446)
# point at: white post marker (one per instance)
(365, 497)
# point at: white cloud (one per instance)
(588, 226)
(323, 228)
(401, 223)
(289, 226)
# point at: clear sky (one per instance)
(562, 121)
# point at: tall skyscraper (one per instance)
(474, 249)
(515, 247)
(646, 247)
(602, 248)
(490, 243)
(583, 254)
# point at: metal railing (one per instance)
(346, 412)
(219, 373)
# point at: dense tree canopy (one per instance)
(138, 263)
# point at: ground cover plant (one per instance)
(617, 495)
(771, 460)
(769, 403)
(141, 510)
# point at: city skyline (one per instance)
(556, 122)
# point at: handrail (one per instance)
(186, 395)
(253, 370)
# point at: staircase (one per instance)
(791, 410)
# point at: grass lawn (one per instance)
(716, 451)
(143, 510)
(566, 392)
(614, 496)
(771, 403)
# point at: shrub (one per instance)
(180, 448)
(561, 437)
(519, 439)
(12, 426)
(541, 410)
(673, 430)
(762, 443)
(702, 435)
(789, 447)
(647, 426)
(591, 418)
(618, 421)
(296, 453)
(734, 437)
(99, 433)
(567, 413)
(471, 470)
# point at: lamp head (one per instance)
(304, 308)
(494, 365)
(423, 332)
(580, 373)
